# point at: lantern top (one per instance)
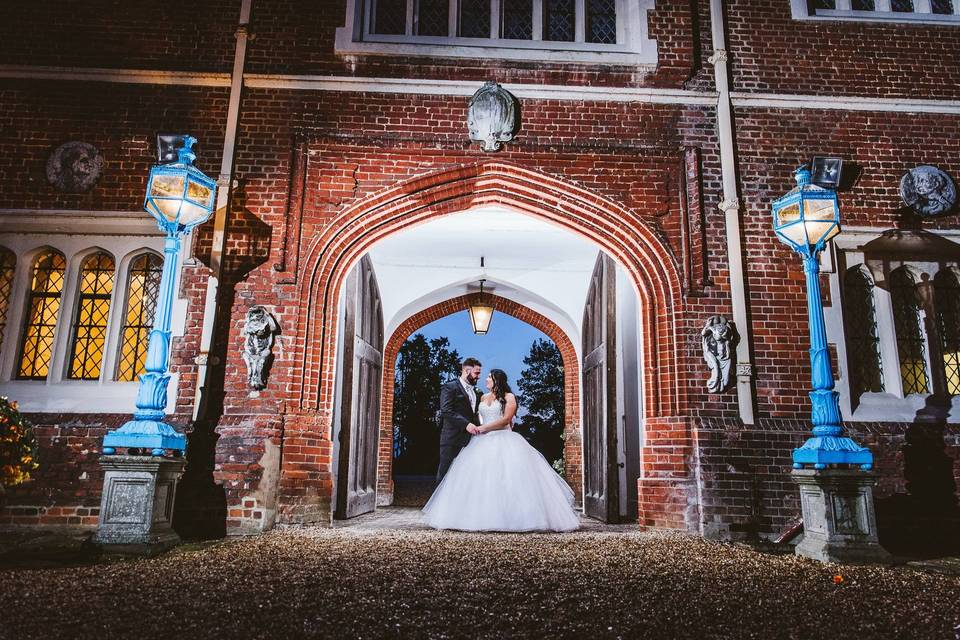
(180, 196)
(808, 216)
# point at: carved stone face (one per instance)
(928, 190)
(74, 167)
(491, 117)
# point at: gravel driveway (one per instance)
(369, 583)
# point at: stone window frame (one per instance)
(844, 253)
(58, 393)
(634, 47)
(921, 14)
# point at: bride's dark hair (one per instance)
(500, 387)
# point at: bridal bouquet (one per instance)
(18, 446)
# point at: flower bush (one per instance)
(18, 446)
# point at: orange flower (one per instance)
(838, 579)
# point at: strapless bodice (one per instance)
(489, 413)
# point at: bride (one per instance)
(498, 482)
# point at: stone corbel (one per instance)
(719, 57)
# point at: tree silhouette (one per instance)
(422, 366)
(541, 393)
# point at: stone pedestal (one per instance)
(839, 523)
(136, 509)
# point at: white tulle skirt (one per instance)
(499, 482)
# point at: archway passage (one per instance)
(621, 233)
(572, 454)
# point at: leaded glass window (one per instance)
(863, 340)
(8, 266)
(90, 322)
(943, 7)
(947, 302)
(389, 17)
(602, 21)
(559, 20)
(903, 6)
(43, 310)
(433, 17)
(143, 288)
(911, 348)
(863, 5)
(517, 20)
(475, 18)
(822, 4)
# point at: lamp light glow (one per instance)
(481, 313)
(178, 194)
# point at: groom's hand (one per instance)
(473, 429)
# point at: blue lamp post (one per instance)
(805, 219)
(179, 197)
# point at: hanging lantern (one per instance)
(481, 312)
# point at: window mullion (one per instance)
(495, 19)
(409, 29)
(883, 5)
(538, 19)
(922, 6)
(843, 5)
(580, 21)
(452, 15)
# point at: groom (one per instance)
(459, 401)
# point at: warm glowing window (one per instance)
(8, 265)
(89, 332)
(143, 287)
(43, 309)
(910, 341)
(947, 297)
(863, 340)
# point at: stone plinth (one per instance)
(839, 523)
(136, 509)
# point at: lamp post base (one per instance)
(136, 508)
(839, 523)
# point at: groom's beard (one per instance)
(471, 380)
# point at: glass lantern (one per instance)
(808, 216)
(481, 313)
(179, 195)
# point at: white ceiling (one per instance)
(528, 260)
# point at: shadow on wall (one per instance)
(201, 505)
(925, 521)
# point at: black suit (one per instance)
(456, 413)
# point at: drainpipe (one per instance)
(224, 193)
(730, 205)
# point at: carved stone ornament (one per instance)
(928, 190)
(719, 337)
(492, 116)
(258, 332)
(74, 167)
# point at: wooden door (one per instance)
(600, 469)
(362, 362)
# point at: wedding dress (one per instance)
(498, 482)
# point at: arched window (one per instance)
(43, 309)
(143, 287)
(910, 341)
(89, 330)
(947, 302)
(8, 265)
(863, 340)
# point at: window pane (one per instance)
(901, 5)
(90, 323)
(517, 19)
(389, 17)
(602, 21)
(8, 265)
(558, 20)
(944, 7)
(863, 341)
(143, 288)
(906, 321)
(947, 301)
(475, 18)
(863, 5)
(43, 309)
(433, 17)
(822, 4)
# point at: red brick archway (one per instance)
(306, 480)
(572, 453)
